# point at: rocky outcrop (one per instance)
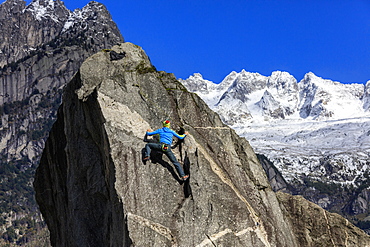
(314, 226)
(94, 190)
(269, 106)
(366, 98)
(275, 178)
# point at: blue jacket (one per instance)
(165, 135)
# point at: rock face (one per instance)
(42, 45)
(44, 40)
(37, 67)
(314, 226)
(94, 190)
(366, 98)
(24, 28)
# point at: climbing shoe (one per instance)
(184, 178)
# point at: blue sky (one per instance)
(330, 38)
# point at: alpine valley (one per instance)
(312, 136)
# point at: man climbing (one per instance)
(165, 140)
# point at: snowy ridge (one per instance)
(57, 12)
(75, 15)
(81, 15)
(298, 126)
(45, 9)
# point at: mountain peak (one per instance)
(53, 9)
(36, 61)
(311, 76)
(313, 97)
(281, 76)
(86, 14)
(197, 76)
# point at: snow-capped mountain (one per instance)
(313, 131)
(45, 9)
(25, 27)
(57, 12)
(287, 121)
(279, 96)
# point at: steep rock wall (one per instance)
(94, 190)
(42, 46)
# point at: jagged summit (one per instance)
(45, 9)
(87, 15)
(312, 98)
(26, 28)
(322, 98)
(57, 12)
(285, 109)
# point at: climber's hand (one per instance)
(149, 130)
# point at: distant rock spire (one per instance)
(366, 98)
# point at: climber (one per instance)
(165, 140)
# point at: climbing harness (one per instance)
(164, 147)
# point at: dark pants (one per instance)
(168, 153)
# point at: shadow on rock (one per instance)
(187, 188)
(157, 158)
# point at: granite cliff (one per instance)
(94, 190)
(42, 45)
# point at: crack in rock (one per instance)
(160, 229)
(260, 230)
